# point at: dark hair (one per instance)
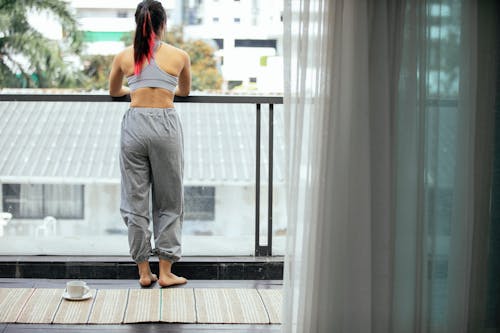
(150, 17)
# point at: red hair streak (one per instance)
(151, 43)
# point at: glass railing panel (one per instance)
(61, 184)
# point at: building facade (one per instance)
(246, 35)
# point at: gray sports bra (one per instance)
(152, 76)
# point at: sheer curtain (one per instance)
(381, 108)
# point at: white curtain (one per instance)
(380, 117)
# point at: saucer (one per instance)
(84, 297)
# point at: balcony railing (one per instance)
(260, 248)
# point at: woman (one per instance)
(151, 153)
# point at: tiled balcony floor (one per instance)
(155, 327)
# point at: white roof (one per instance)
(78, 142)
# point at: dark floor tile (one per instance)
(72, 271)
(97, 271)
(126, 271)
(274, 271)
(232, 271)
(154, 266)
(133, 283)
(47, 270)
(254, 272)
(53, 267)
(196, 271)
(8, 270)
(263, 271)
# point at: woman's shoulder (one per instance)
(175, 49)
(127, 51)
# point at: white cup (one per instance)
(77, 289)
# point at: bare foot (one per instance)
(146, 278)
(167, 278)
(171, 279)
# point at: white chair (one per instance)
(4, 219)
(48, 227)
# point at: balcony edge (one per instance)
(195, 268)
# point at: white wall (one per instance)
(102, 207)
(234, 210)
(231, 234)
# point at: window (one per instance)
(199, 203)
(219, 42)
(237, 20)
(37, 201)
(255, 43)
(215, 19)
(233, 83)
(122, 14)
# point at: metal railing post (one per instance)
(270, 183)
(257, 183)
(264, 250)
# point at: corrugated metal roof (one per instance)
(78, 142)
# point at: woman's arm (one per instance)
(184, 87)
(116, 88)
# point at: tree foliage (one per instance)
(204, 72)
(96, 69)
(30, 60)
(27, 58)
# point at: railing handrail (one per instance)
(229, 99)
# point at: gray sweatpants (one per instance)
(151, 157)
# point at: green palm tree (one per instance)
(46, 67)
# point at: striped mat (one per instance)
(127, 306)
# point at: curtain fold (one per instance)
(341, 60)
(462, 216)
(381, 107)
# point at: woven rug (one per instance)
(117, 306)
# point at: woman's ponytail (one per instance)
(147, 26)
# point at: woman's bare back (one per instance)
(170, 59)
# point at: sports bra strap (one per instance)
(153, 76)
